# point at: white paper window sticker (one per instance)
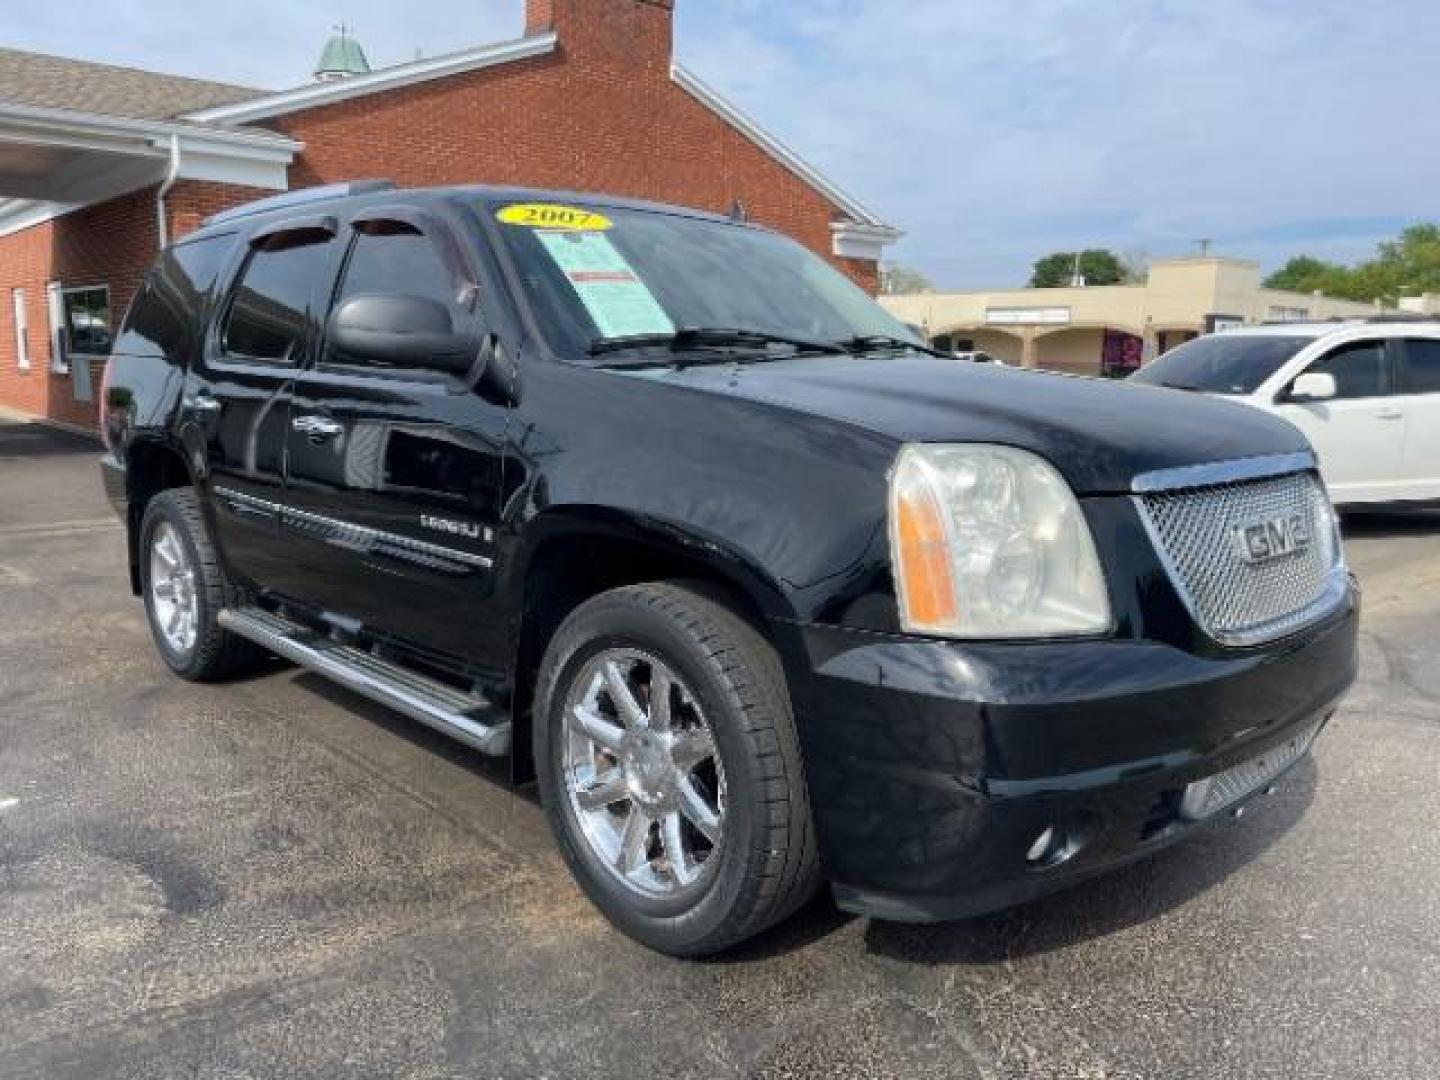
(617, 300)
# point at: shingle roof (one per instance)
(57, 82)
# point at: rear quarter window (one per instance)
(166, 316)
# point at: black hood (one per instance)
(1099, 434)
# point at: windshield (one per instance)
(1224, 363)
(602, 280)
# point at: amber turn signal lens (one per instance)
(926, 588)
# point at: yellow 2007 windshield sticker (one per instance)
(549, 216)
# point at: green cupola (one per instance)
(342, 57)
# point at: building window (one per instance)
(85, 314)
(22, 330)
(1288, 314)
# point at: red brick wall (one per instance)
(539, 16)
(601, 114)
(25, 259)
(190, 202)
(111, 243)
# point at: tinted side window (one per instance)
(1360, 371)
(272, 305)
(393, 257)
(398, 262)
(163, 320)
(1422, 367)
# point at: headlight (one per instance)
(989, 542)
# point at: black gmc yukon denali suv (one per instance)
(760, 591)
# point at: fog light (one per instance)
(1056, 844)
(1041, 848)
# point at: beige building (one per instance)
(1111, 329)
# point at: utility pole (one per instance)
(1203, 244)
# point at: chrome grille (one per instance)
(1237, 601)
(1215, 793)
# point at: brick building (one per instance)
(100, 165)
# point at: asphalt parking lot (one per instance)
(277, 879)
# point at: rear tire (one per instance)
(710, 769)
(185, 590)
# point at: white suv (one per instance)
(1366, 394)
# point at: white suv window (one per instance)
(1422, 366)
(1360, 370)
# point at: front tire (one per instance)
(670, 769)
(185, 590)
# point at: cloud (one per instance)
(992, 132)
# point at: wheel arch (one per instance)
(568, 556)
(151, 466)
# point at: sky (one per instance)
(991, 132)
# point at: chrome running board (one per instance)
(466, 717)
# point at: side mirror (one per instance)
(497, 380)
(400, 331)
(1312, 386)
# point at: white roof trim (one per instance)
(855, 241)
(712, 100)
(68, 126)
(17, 215)
(115, 155)
(854, 230)
(352, 86)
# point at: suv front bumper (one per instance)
(936, 768)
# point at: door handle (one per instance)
(203, 403)
(1389, 414)
(317, 428)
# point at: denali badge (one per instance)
(1262, 541)
(454, 528)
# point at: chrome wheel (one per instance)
(173, 597)
(643, 774)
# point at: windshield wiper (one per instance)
(699, 337)
(871, 342)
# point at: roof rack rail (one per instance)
(1404, 316)
(299, 197)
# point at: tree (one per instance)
(897, 280)
(1408, 264)
(1137, 266)
(1304, 273)
(1098, 266)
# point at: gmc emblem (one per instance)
(1275, 538)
